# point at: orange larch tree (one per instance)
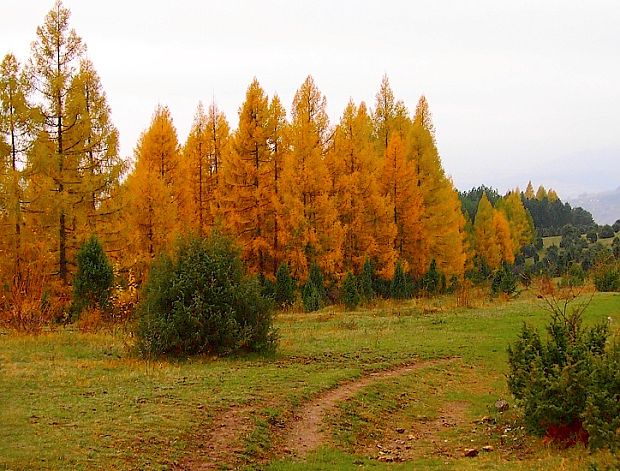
(248, 183)
(442, 219)
(365, 214)
(153, 191)
(399, 186)
(314, 232)
(277, 139)
(206, 148)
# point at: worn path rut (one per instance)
(307, 433)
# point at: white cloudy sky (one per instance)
(519, 90)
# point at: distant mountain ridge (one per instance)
(604, 206)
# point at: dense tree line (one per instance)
(291, 188)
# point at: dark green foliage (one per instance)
(606, 232)
(401, 287)
(470, 199)
(267, 287)
(284, 290)
(615, 248)
(201, 300)
(602, 413)
(366, 290)
(565, 384)
(574, 277)
(616, 226)
(93, 280)
(350, 295)
(504, 280)
(314, 295)
(480, 271)
(550, 216)
(433, 281)
(607, 277)
(592, 236)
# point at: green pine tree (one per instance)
(350, 295)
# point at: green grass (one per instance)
(81, 401)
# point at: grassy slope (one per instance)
(72, 400)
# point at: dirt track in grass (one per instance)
(306, 433)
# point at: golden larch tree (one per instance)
(486, 235)
(248, 183)
(399, 186)
(16, 123)
(529, 191)
(314, 232)
(364, 212)
(56, 55)
(153, 190)
(207, 147)
(389, 116)
(503, 237)
(277, 138)
(442, 219)
(519, 220)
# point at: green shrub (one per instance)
(567, 384)
(401, 287)
(607, 278)
(284, 291)
(615, 248)
(574, 277)
(200, 300)
(602, 413)
(504, 280)
(606, 232)
(92, 284)
(366, 290)
(314, 295)
(350, 295)
(433, 281)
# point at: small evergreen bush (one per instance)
(350, 295)
(284, 290)
(314, 295)
(568, 384)
(93, 281)
(401, 287)
(504, 280)
(200, 300)
(366, 290)
(433, 282)
(607, 277)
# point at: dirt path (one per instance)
(223, 442)
(306, 433)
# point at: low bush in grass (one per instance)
(200, 300)
(350, 293)
(607, 277)
(284, 290)
(504, 280)
(93, 281)
(569, 383)
(314, 294)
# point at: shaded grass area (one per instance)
(80, 401)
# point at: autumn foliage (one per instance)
(289, 189)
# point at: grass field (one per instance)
(70, 400)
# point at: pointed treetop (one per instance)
(423, 115)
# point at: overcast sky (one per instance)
(519, 90)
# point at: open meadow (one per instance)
(74, 400)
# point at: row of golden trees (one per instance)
(301, 191)
(289, 189)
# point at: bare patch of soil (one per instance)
(222, 443)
